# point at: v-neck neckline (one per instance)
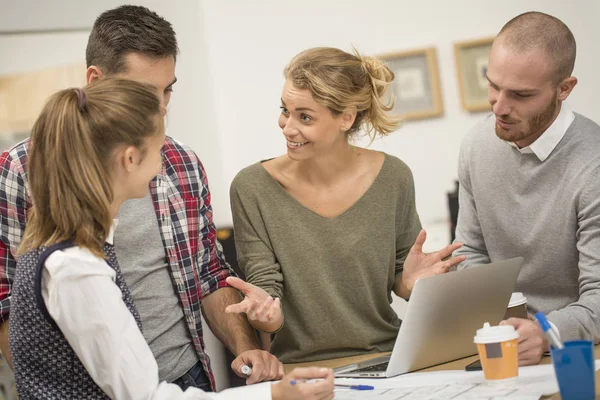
(343, 213)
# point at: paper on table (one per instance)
(532, 383)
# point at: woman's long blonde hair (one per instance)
(70, 156)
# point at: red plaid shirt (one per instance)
(182, 204)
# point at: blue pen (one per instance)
(356, 387)
(548, 331)
(353, 387)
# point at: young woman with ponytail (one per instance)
(327, 231)
(75, 332)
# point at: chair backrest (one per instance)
(226, 237)
(453, 207)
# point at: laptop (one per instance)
(442, 317)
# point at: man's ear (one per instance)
(92, 74)
(566, 87)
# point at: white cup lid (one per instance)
(495, 334)
(516, 299)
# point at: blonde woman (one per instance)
(328, 230)
(75, 332)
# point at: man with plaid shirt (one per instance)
(166, 243)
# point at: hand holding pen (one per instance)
(246, 370)
(319, 389)
(532, 340)
(257, 366)
(553, 338)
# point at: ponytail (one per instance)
(378, 117)
(70, 159)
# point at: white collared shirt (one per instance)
(548, 141)
(81, 295)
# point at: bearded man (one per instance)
(530, 183)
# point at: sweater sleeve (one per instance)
(254, 250)
(468, 228)
(408, 223)
(581, 319)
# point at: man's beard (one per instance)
(534, 125)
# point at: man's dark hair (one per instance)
(128, 29)
(535, 30)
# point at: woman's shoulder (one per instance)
(392, 167)
(248, 172)
(395, 176)
(397, 165)
(255, 175)
(395, 181)
(78, 261)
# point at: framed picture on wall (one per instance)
(416, 85)
(23, 95)
(471, 67)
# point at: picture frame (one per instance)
(471, 58)
(416, 86)
(23, 96)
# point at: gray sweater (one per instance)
(513, 204)
(333, 275)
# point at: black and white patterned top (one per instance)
(45, 365)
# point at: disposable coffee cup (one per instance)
(517, 306)
(498, 352)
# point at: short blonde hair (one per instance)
(70, 155)
(339, 80)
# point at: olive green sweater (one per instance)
(334, 275)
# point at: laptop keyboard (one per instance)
(374, 368)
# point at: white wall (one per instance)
(250, 42)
